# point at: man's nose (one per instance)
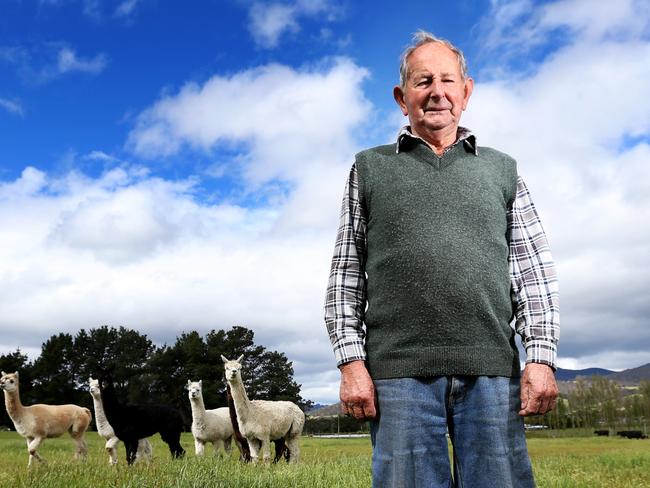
(437, 90)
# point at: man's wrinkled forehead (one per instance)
(434, 58)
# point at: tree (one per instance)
(110, 353)
(54, 372)
(267, 375)
(169, 368)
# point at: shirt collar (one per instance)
(462, 134)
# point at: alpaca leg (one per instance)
(199, 447)
(254, 446)
(172, 439)
(218, 446)
(111, 449)
(280, 449)
(82, 447)
(227, 445)
(144, 452)
(131, 450)
(244, 449)
(293, 445)
(32, 446)
(266, 450)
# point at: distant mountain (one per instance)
(326, 410)
(571, 374)
(633, 375)
(315, 407)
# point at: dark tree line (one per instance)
(144, 373)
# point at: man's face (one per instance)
(436, 93)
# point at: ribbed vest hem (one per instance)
(444, 361)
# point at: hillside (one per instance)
(326, 411)
(571, 374)
(633, 375)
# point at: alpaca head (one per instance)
(232, 368)
(9, 381)
(194, 389)
(95, 391)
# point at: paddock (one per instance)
(596, 462)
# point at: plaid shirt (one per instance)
(534, 288)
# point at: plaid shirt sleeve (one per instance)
(534, 281)
(345, 301)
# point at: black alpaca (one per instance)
(134, 422)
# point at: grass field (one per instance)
(570, 462)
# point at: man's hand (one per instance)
(357, 391)
(538, 390)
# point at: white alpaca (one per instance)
(105, 430)
(212, 426)
(38, 422)
(261, 421)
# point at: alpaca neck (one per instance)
(198, 408)
(13, 404)
(240, 399)
(100, 415)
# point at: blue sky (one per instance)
(171, 166)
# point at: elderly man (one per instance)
(439, 249)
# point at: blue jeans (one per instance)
(479, 413)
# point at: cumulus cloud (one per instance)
(578, 125)
(291, 120)
(268, 22)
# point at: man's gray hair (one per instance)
(423, 37)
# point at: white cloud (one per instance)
(11, 106)
(520, 25)
(100, 156)
(291, 120)
(44, 63)
(126, 8)
(268, 22)
(69, 61)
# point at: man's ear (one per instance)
(469, 88)
(398, 95)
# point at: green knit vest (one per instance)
(438, 284)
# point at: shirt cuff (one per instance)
(542, 351)
(349, 350)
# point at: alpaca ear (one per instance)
(201, 383)
(224, 358)
(90, 378)
(4, 374)
(16, 373)
(240, 358)
(187, 386)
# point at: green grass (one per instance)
(558, 462)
